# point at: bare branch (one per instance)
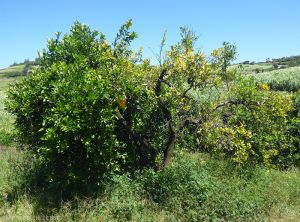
(231, 102)
(187, 90)
(138, 139)
(159, 81)
(188, 122)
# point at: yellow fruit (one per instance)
(122, 103)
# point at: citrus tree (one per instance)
(92, 108)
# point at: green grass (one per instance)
(6, 119)
(282, 79)
(196, 187)
(247, 69)
(9, 75)
(6, 123)
(12, 71)
(4, 83)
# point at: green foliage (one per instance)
(198, 189)
(260, 127)
(66, 110)
(194, 187)
(93, 110)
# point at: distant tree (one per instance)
(275, 65)
(27, 69)
(15, 63)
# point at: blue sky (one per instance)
(260, 28)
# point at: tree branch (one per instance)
(138, 139)
(168, 151)
(162, 80)
(188, 122)
(187, 90)
(230, 102)
(233, 102)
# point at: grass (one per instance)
(196, 187)
(12, 71)
(4, 83)
(6, 123)
(5, 79)
(6, 119)
(247, 69)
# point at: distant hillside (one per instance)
(20, 69)
(12, 71)
(291, 61)
(248, 67)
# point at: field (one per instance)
(4, 84)
(6, 120)
(196, 187)
(12, 71)
(283, 79)
(254, 68)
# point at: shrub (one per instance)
(65, 111)
(258, 128)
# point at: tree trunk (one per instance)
(168, 152)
